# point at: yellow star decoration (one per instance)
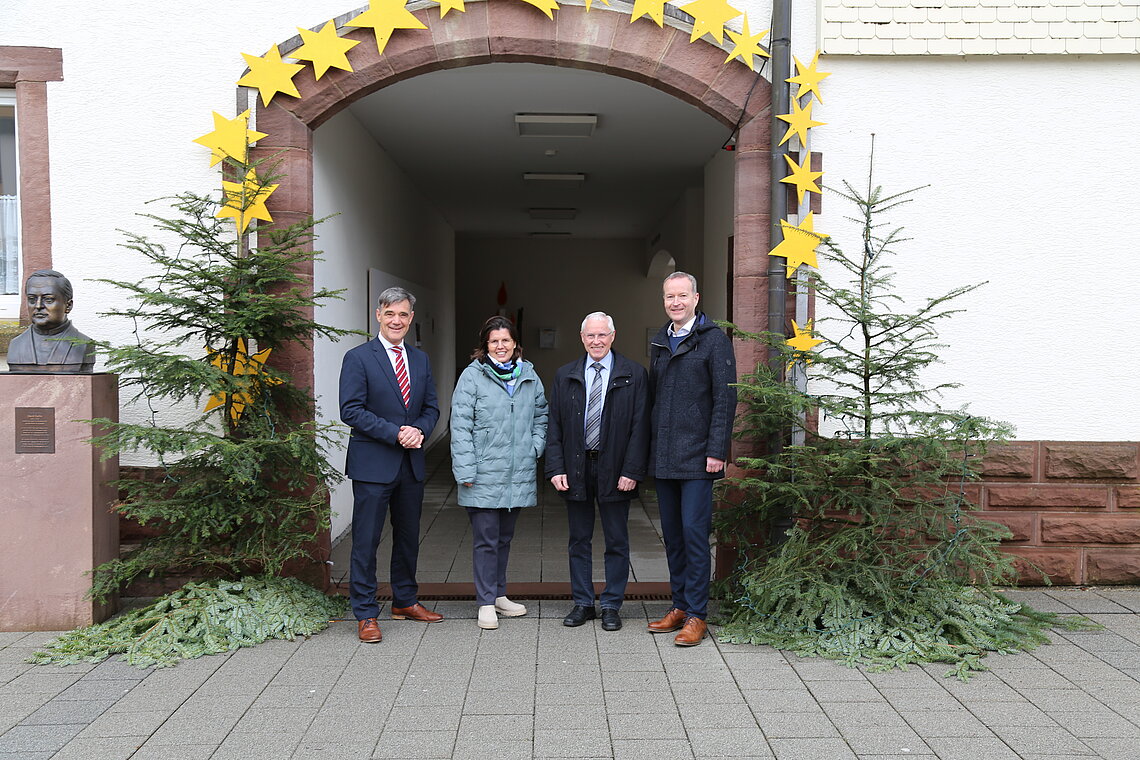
(655, 9)
(385, 17)
(324, 49)
(747, 45)
(270, 75)
(452, 5)
(709, 17)
(244, 364)
(589, 3)
(799, 244)
(802, 177)
(546, 6)
(803, 343)
(245, 201)
(808, 78)
(799, 121)
(230, 138)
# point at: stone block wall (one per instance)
(1073, 509)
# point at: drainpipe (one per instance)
(777, 265)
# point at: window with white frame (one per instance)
(9, 209)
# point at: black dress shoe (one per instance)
(611, 621)
(579, 615)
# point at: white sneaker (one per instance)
(507, 608)
(487, 617)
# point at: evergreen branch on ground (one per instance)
(199, 619)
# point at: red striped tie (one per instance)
(402, 375)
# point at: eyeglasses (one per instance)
(596, 336)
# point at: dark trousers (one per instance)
(491, 534)
(402, 500)
(615, 527)
(686, 522)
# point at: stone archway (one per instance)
(508, 31)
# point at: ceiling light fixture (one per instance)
(554, 177)
(552, 213)
(556, 124)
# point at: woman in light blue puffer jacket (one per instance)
(498, 432)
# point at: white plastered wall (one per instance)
(1032, 186)
(382, 222)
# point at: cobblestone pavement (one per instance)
(534, 688)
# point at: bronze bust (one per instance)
(49, 346)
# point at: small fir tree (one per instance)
(884, 565)
(243, 486)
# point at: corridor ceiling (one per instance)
(454, 133)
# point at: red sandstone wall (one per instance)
(1074, 509)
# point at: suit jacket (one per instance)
(625, 429)
(371, 404)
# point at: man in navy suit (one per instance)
(387, 397)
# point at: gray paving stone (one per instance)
(933, 698)
(792, 725)
(1021, 713)
(570, 743)
(513, 702)
(503, 750)
(788, 700)
(568, 694)
(27, 755)
(265, 746)
(739, 741)
(957, 723)
(844, 691)
(102, 748)
(863, 714)
(490, 729)
(40, 680)
(884, 741)
(581, 718)
(112, 724)
(1097, 724)
(623, 702)
(647, 726)
(709, 694)
(969, 748)
(418, 744)
(38, 738)
(696, 716)
(67, 711)
(275, 720)
(179, 731)
(811, 749)
(417, 718)
(1041, 740)
(649, 749)
(310, 748)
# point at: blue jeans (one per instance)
(686, 522)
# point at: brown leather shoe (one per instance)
(673, 620)
(369, 631)
(692, 634)
(416, 612)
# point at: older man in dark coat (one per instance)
(691, 369)
(596, 450)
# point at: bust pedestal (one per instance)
(56, 522)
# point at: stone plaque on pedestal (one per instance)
(56, 522)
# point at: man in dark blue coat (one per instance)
(691, 369)
(387, 397)
(597, 444)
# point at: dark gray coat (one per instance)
(693, 401)
(625, 429)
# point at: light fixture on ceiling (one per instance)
(554, 177)
(556, 124)
(549, 234)
(546, 214)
